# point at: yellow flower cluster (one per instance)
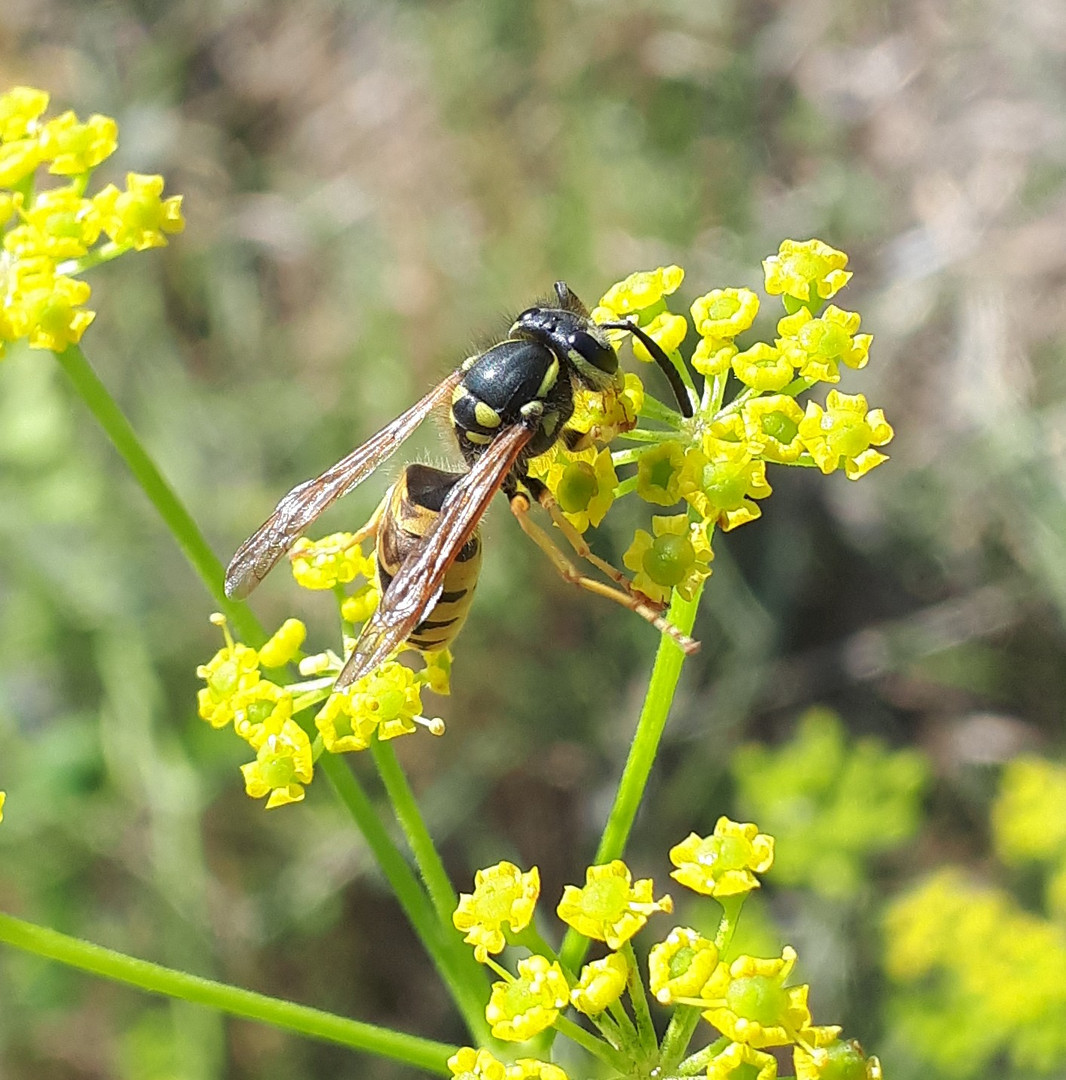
(748, 999)
(52, 234)
(716, 461)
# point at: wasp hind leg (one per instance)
(622, 594)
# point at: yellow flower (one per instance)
(738, 1061)
(284, 645)
(680, 965)
(722, 314)
(259, 704)
(678, 557)
(825, 342)
(844, 433)
(748, 1002)
(610, 907)
(659, 473)
(41, 305)
(19, 109)
(3, 799)
(531, 1069)
(233, 669)
(721, 479)
(437, 673)
(522, 1007)
(724, 863)
(334, 560)
(713, 357)
(502, 894)
(807, 270)
(471, 1064)
(18, 160)
(73, 147)
(666, 330)
(641, 293)
(837, 1060)
(771, 427)
(764, 367)
(388, 699)
(1029, 814)
(60, 223)
(600, 984)
(283, 762)
(358, 607)
(139, 217)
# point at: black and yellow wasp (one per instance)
(508, 405)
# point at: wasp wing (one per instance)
(417, 585)
(256, 557)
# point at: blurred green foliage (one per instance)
(367, 185)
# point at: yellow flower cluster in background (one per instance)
(749, 1000)
(52, 232)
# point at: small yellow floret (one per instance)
(73, 147)
(284, 645)
(680, 965)
(638, 294)
(722, 314)
(825, 342)
(807, 270)
(334, 560)
(502, 894)
(523, 1007)
(471, 1064)
(20, 108)
(738, 1061)
(139, 217)
(844, 433)
(667, 330)
(720, 479)
(532, 1069)
(724, 863)
(283, 763)
(611, 907)
(600, 984)
(674, 555)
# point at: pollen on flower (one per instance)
(724, 863)
(610, 907)
(522, 1007)
(503, 894)
(600, 984)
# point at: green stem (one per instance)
(180, 522)
(653, 409)
(421, 1053)
(701, 1058)
(469, 996)
(641, 1012)
(661, 689)
(678, 1035)
(414, 826)
(596, 1047)
(731, 906)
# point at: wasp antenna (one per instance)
(684, 402)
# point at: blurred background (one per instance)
(369, 189)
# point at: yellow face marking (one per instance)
(549, 378)
(477, 438)
(486, 415)
(458, 393)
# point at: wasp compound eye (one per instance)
(596, 352)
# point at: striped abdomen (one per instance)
(412, 506)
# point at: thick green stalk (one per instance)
(421, 1053)
(661, 690)
(468, 996)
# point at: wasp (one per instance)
(508, 405)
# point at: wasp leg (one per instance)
(520, 506)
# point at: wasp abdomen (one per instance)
(414, 503)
